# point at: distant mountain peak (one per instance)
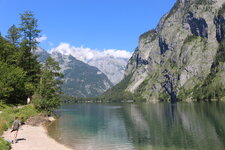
(80, 79)
(111, 62)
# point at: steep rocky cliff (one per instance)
(183, 58)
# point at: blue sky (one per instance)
(97, 24)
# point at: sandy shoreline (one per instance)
(33, 138)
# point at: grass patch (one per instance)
(7, 117)
(212, 87)
(118, 93)
(4, 145)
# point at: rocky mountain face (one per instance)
(80, 79)
(42, 54)
(183, 58)
(112, 67)
(111, 62)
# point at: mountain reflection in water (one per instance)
(160, 126)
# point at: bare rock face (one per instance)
(112, 67)
(219, 21)
(183, 55)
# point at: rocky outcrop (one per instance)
(163, 46)
(220, 27)
(198, 26)
(177, 60)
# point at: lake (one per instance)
(153, 126)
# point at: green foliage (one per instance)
(20, 70)
(213, 88)
(118, 93)
(7, 117)
(13, 35)
(183, 94)
(7, 50)
(29, 63)
(9, 113)
(73, 99)
(190, 39)
(163, 96)
(220, 56)
(4, 144)
(29, 29)
(49, 88)
(27, 60)
(141, 88)
(11, 83)
(19, 67)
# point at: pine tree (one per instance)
(12, 84)
(6, 50)
(49, 87)
(29, 29)
(13, 35)
(28, 61)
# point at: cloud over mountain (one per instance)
(111, 62)
(86, 54)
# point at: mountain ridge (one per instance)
(183, 57)
(80, 79)
(111, 62)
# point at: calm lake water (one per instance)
(160, 126)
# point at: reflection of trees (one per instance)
(182, 126)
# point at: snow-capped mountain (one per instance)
(80, 79)
(111, 62)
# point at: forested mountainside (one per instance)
(80, 79)
(183, 58)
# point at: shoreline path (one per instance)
(33, 138)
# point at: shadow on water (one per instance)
(160, 126)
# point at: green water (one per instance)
(160, 126)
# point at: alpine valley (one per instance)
(183, 58)
(82, 79)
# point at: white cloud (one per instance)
(42, 38)
(86, 54)
(117, 53)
